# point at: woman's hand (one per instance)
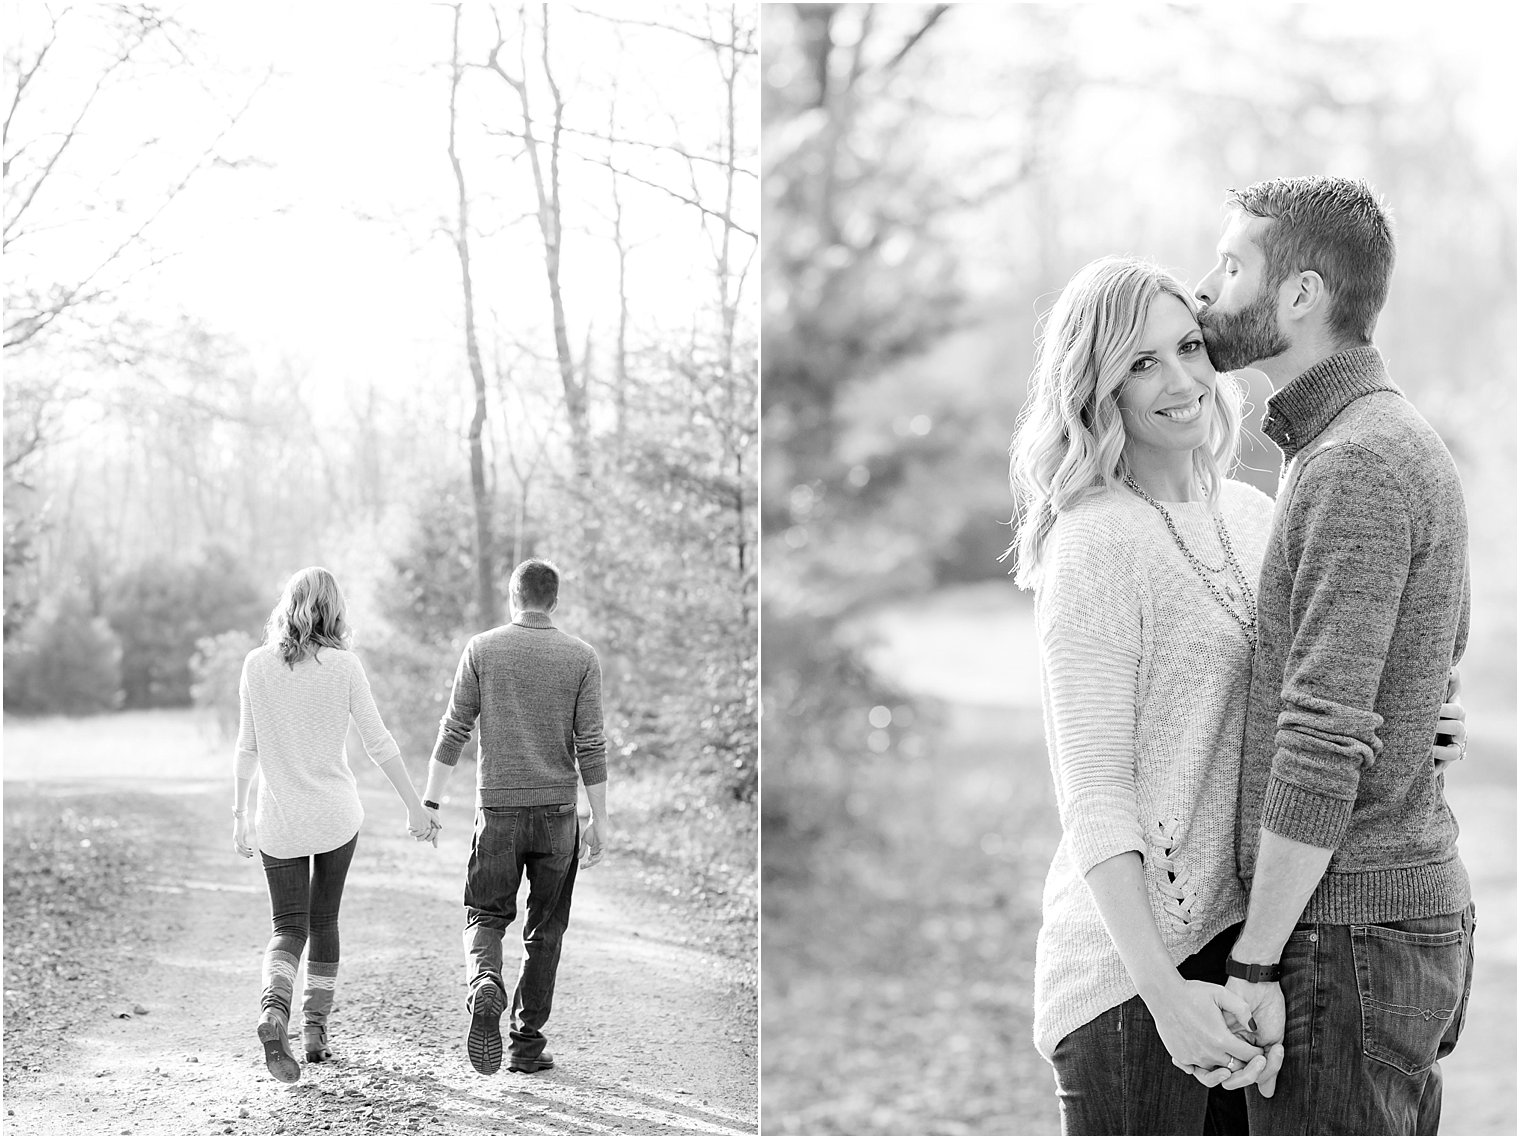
(1452, 725)
(1191, 1023)
(240, 842)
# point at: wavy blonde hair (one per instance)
(311, 614)
(1069, 442)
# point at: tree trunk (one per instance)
(485, 577)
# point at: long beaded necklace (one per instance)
(1248, 624)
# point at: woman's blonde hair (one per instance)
(311, 614)
(1069, 442)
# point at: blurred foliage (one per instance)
(162, 608)
(215, 670)
(64, 659)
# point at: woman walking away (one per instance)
(298, 692)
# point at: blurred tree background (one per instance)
(414, 298)
(933, 175)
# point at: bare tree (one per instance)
(35, 160)
(485, 574)
(546, 185)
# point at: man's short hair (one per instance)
(1337, 227)
(536, 583)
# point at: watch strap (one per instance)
(429, 804)
(1253, 973)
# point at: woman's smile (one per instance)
(1184, 412)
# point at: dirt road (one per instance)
(653, 1031)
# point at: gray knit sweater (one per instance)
(538, 695)
(1363, 608)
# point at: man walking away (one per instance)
(537, 693)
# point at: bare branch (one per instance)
(619, 140)
(20, 331)
(708, 41)
(676, 194)
(929, 21)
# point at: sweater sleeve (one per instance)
(590, 743)
(1090, 648)
(246, 763)
(1349, 556)
(379, 744)
(464, 707)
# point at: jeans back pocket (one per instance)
(1410, 985)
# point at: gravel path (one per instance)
(653, 1030)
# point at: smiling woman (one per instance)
(1142, 556)
(1167, 401)
(1121, 346)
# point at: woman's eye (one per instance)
(1144, 364)
(1190, 346)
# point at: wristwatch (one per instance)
(1253, 973)
(429, 804)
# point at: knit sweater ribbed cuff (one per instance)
(1309, 817)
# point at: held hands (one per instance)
(1196, 1027)
(1265, 1026)
(424, 825)
(593, 843)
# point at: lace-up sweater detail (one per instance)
(1174, 880)
(1144, 684)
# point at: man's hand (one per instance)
(593, 840)
(1266, 1026)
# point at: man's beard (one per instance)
(1240, 339)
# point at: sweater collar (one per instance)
(533, 619)
(1304, 407)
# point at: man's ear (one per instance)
(1303, 296)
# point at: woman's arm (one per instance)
(240, 797)
(245, 765)
(418, 821)
(381, 747)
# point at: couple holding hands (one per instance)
(536, 694)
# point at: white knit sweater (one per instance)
(294, 723)
(1144, 683)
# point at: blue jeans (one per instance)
(509, 842)
(1371, 1009)
(1114, 1076)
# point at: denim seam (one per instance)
(1313, 1066)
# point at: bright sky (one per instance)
(331, 247)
